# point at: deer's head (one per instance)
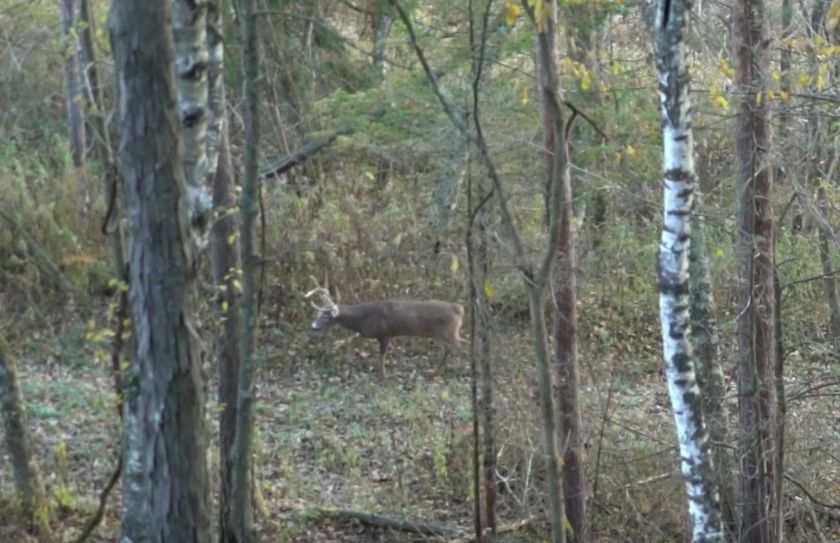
(327, 309)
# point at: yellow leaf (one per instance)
(719, 253)
(720, 101)
(525, 96)
(398, 239)
(631, 151)
(512, 12)
(804, 80)
(585, 81)
(771, 95)
(225, 306)
(777, 76)
(726, 69)
(489, 290)
(784, 95)
(370, 176)
(758, 98)
(455, 265)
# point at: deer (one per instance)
(386, 319)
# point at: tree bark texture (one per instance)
(72, 82)
(216, 101)
(165, 485)
(189, 25)
(30, 487)
(564, 327)
(224, 247)
(672, 270)
(705, 341)
(756, 300)
(241, 519)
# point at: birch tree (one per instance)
(189, 25)
(165, 484)
(672, 270)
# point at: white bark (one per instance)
(672, 271)
(189, 24)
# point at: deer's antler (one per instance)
(324, 295)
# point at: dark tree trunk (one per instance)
(241, 513)
(165, 490)
(30, 487)
(224, 247)
(564, 328)
(756, 300)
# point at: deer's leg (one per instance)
(442, 364)
(383, 346)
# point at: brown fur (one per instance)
(384, 320)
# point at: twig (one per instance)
(810, 496)
(94, 521)
(382, 521)
(504, 529)
(42, 259)
(298, 156)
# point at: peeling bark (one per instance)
(165, 485)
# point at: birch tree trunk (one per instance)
(72, 83)
(756, 299)
(189, 25)
(672, 270)
(165, 484)
(241, 516)
(28, 482)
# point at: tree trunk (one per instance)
(241, 514)
(705, 342)
(539, 335)
(564, 327)
(672, 270)
(189, 26)
(30, 487)
(72, 83)
(224, 247)
(756, 300)
(382, 24)
(166, 489)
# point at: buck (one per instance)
(383, 320)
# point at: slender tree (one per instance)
(72, 82)
(28, 482)
(166, 488)
(241, 515)
(756, 299)
(564, 327)
(535, 276)
(225, 263)
(672, 270)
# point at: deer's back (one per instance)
(402, 318)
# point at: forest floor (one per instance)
(334, 438)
